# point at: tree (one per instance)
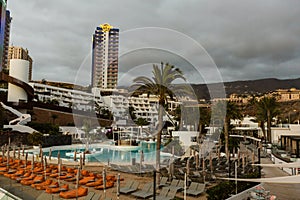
(204, 118)
(266, 110)
(161, 86)
(227, 110)
(141, 122)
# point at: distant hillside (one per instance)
(260, 86)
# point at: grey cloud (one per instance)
(246, 39)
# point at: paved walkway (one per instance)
(282, 191)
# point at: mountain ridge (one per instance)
(245, 87)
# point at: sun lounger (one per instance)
(86, 180)
(171, 194)
(67, 176)
(195, 192)
(89, 196)
(132, 188)
(173, 183)
(192, 187)
(41, 186)
(108, 184)
(145, 192)
(80, 192)
(93, 196)
(127, 186)
(96, 183)
(163, 181)
(97, 196)
(57, 189)
(30, 180)
(163, 194)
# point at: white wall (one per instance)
(186, 137)
(18, 69)
(292, 129)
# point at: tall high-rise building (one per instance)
(6, 39)
(20, 53)
(2, 28)
(105, 57)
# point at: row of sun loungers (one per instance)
(49, 179)
(133, 169)
(168, 190)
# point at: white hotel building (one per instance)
(143, 106)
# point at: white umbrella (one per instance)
(243, 162)
(118, 186)
(3, 150)
(77, 177)
(188, 166)
(59, 169)
(32, 162)
(83, 158)
(7, 162)
(80, 161)
(26, 157)
(185, 180)
(23, 149)
(50, 153)
(141, 160)
(45, 161)
(104, 182)
(197, 161)
(14, 152)
(58, 157)
(45, 169)
(203, 165)
(75, 155)
(41, 151)
(210, 162)
(19, 153)
(77, 181)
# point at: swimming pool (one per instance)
(108, 153)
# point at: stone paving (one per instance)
(282, 191)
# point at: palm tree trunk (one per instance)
(269, 125)
(158, 141)
(262, 126)
(226, 135)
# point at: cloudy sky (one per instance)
(245, 40)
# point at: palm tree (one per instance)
(267, 109)
(231, 112)
(161, 86)
(141, 122)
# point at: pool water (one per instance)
(107, 154)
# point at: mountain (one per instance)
(249, 87)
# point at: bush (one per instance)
(35, 138)
(224, 189)
(45, 128)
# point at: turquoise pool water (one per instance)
(106, 153)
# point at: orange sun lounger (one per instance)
(37, 179)
(108, 184)
(41, 186)
(85, 180)
(96, 183)
(80, 192)
(57, 189)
